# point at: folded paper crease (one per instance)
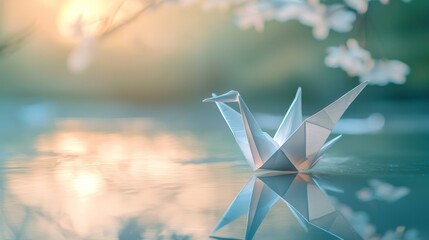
(301, 193)
(297, 145)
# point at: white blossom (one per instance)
(339, 19)
(361, 6)
(81, 57)
(254, 15)
(288, 12)
(357, 61)
(351, 58)
(321, 17)
(386, 71)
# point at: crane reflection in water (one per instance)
(301, 193)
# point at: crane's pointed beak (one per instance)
(231, 96)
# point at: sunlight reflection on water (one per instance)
(90, 179)
(134, 178)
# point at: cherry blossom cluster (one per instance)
(357, 62)
(321, 17)
(82, 55)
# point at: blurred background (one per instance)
(183, 52)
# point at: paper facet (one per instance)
(297, 145)
(301, 194)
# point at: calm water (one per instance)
(87, 172)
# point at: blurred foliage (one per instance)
(13, 42)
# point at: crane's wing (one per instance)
(235, 124)
(325, 148)
(319, 126)
(257, 146)
(302, 147)
(291, 121)
(262, 146)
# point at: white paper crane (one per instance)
(302, 193)
(297, 144)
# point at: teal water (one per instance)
(82, 171)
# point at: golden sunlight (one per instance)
(89, 12)
(86, 183)
(97, 178)
(71, 143)
(77, 18)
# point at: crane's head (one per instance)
(231, 96)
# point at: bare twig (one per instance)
(130, 19)
(111, 18)
(14, 41)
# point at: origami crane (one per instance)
(297, 144)
(302, 194)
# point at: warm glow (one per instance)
(71, 143)
(89, 16)
(153, 156)
(92, 175)
(89, 11)
(86, 183)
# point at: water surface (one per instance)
(82, 172)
